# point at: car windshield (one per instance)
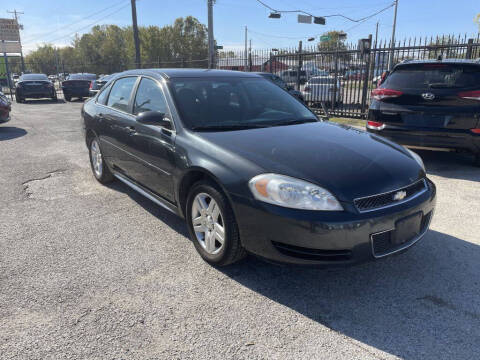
(235, 103)
(82, 77)
(28, 77)
(424, 76)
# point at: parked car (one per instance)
(77, 85)
(5, 108)
(34, 86)
(253, 170)
(279, 81)
(290, 76)
(96, 85)
(430, 105)
(322, 89)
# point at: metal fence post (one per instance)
(300, 64)
(366, 80)
(335, 87)
(468, 55)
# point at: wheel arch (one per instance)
(192, 176)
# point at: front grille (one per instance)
(383, 243)
(312, 254)
(373, 202)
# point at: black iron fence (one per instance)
(334, 77)
(341, 76)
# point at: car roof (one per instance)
(190, 73)
(443, 61)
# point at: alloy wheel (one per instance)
(96, 157)
(208, 223)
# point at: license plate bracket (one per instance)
(407, 228)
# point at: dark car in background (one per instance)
(433, 105)
(251, 169)
(34, 86)
(77, 85)
(279, 81)
(96, 85)
(5, 108)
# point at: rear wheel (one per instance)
(68, 98)
(99, 167)
(212, 226)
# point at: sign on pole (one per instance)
(9, 30)
(324, 38)
(304, 19)
(10, 47)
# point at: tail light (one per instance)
(307, 88)
(475, 131)
(375, 125)
(471, 95)
(380, 94)
(91, 85)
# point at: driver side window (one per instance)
(149, 98)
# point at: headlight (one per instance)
(292, 193)
(417, 158)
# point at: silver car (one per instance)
(322, 89)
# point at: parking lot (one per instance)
(88, 271)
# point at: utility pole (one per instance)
(15, 12)
(250, 56)
(392, 44)
(376, 35)
(246, 49)
(300, 64)
(135, 35)
(211, 41)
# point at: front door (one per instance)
(153, 146)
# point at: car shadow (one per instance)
(170, 219)
(420, 304)
(450, 164)
(11, 132)
(423, 303)
(43, 101)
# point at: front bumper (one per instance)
(324, 238)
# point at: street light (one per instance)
(311, 39)
(274, 15)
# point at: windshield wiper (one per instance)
(295, 122)
(228, 127)
(442, 86)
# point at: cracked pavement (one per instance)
(95, 272)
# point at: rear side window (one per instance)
(149, 98)
(120, 93)
(431, 76)
(102, 97)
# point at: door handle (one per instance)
(131, 130)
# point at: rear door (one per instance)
(433, 95)
(119, 124)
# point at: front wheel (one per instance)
(99, 167)
(212, 226)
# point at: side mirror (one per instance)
(155, 118)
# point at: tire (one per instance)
(19, 99)
(68, 98)
(219, 254)
(100, 170)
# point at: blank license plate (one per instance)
(407, 228)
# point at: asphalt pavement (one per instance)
(99, 272)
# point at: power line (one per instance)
(325, 16)
(90, 25)
(47, 34)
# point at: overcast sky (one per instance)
(56, 21)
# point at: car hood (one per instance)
(348, 162)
